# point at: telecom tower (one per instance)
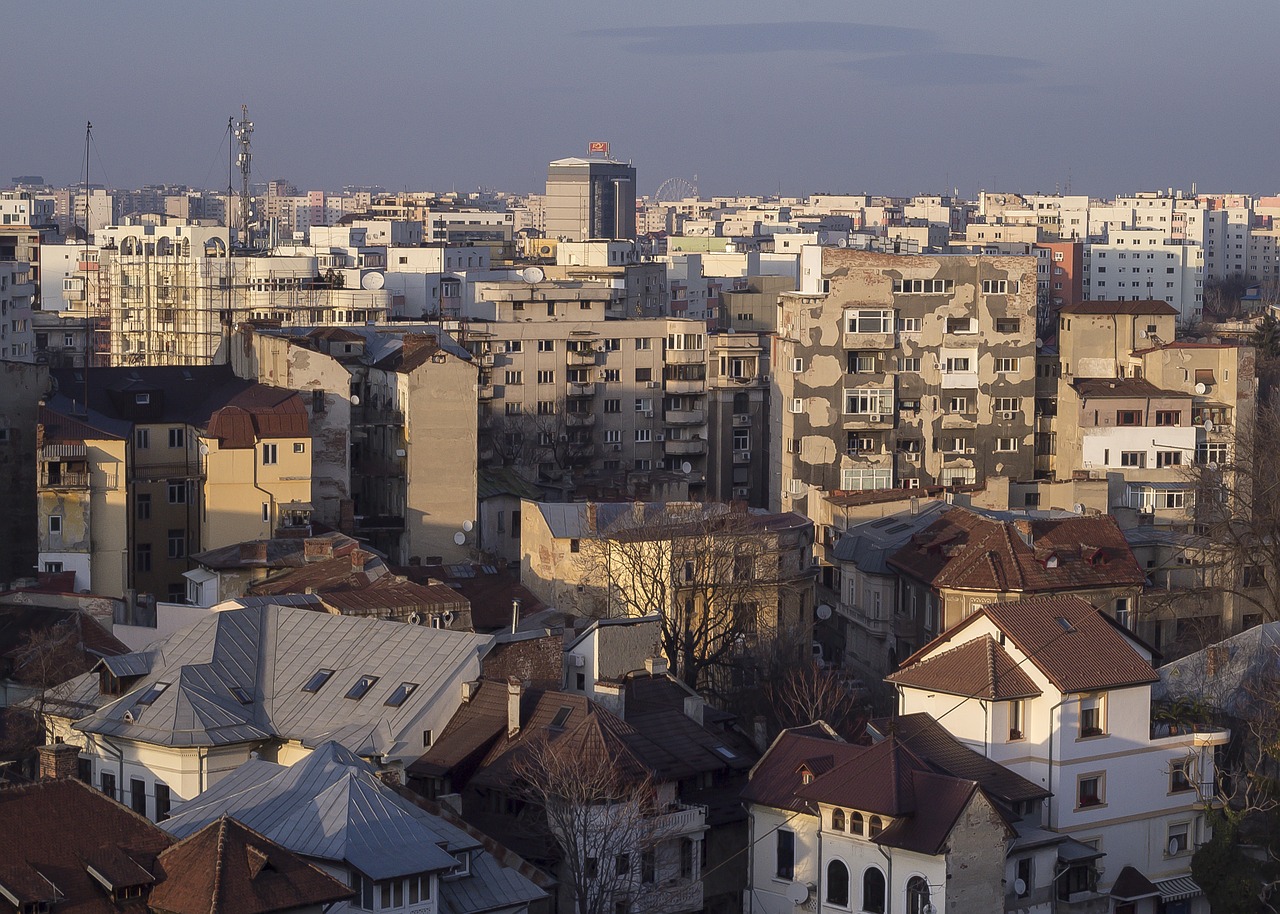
(244, 130)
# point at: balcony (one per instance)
(679, 819)
(686, 385)
(869, 340)
(65, 480)
(485, 392)
(674, 894)
(686, 417)
(749, 380)
(582, 390)
(485, 359)
(579, 420)
(959, 380)
(684, 356)
(874, 625)
(684, 447)
(583, 358)
(371, 415)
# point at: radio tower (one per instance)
(243, 131)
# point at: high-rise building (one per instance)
(590, 199)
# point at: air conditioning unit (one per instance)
(659, 438)
(742, 456)
(652, 384)
(578, 660)
(875, 417)
(1006, 414)
(648, 414)
(741, 492)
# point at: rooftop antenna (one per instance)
(244, 130)
(88, 322)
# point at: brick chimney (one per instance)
(515, 689)
(255, 551)
(59, 761)
(391, 777)
(591, 518)
(317, 549)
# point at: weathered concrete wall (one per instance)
(21, 388)
(976, 858)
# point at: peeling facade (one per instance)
(903, 371)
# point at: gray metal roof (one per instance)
(1241, 663)
(870, 543)
(331, 806)
(239, 675)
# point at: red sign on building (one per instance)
(597, 146)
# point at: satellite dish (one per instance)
(532, 275)
(355, 400)
(1173, 847)
(1208, 425)
(468, 526)
(1078, 507)
(1202, 388)
(1039, 343)
(823, 612)
(798, 892)
(1019, 887)
(686, 467)
(931, 908)
(372, 281)
(459, 538)
(204, 450)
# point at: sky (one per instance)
(750, 97)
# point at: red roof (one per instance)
(980, 668)
(259, 412)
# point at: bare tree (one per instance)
(719, 577)
(45, 662)
(601, 813)
(551, 435)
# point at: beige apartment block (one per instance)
(896, 371)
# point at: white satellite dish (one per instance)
(468, 526)
(1039, 343)
(686, 467)
(459, 538)
(1208, 425)
(1078, 507)
(1173, 847)
(823, 612)
(798, 893)
(414, 619)
(355, 400)
(128, 717)
(532, 275)
(204, 450)
(1201, 388)
(1019, 887)
(372, 281)
(930, 908)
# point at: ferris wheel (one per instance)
(673, 190)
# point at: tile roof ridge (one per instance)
(991, 666)
(215, 901)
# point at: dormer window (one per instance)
(1051, 560)
(855, 824)
(837, 820)
(875, 827)
(142, 399)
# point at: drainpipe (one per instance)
(751, 862)
(119, 755)
(888, 879)
(1053, 823)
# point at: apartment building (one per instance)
(589, 199)
(165, 462)
(902, 371)
(1140, 264)
(18, 291)
(739, 411)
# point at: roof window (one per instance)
(318, 679)
(561, 716)
(242, 695)
(362, 687)
(151, 694)
(401, 694)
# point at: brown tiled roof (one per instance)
(777, 777)
(59, 427)
(879, 780)
(1150, 306)
(966, 551)
(397, 598)
(1078, 647)
(1117, 388)
(945, 799)
(488, 590)
(256, 413)
(51, 829)
(980, 668)
(228, 868)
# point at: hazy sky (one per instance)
(752, 97)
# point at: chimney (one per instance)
(317, 549)
(515, 614)
(255, 551)
(58, 762)
(656, 665)
(469, 690)
(390, 777)
(693, 708)
(591, 518)
(1215, 657)
(1023, 527)
(514, 690)
(760, 734)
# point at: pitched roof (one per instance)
(332, 806)
(979, 668)
(1077, 646)
(79, 639)
(56, 830)
(776, 778)
(1150, 306)
(227, 868)
(966, 551)
(238, 676)
(1123, 388)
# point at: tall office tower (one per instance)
(590, 199)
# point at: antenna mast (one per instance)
(243, 131)
(89, 323)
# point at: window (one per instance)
(874, 826)
(854, 479)
(923, 286)
(177, 543)
(1168, 458)
(909, 364)
(1006, 445)
(644, 435)
(401, 694)
(1017, 709)
(546, 376)
(546, 345)
(962, 325)
(855, 823)
(958, 405)
(686, 858)
(318, 679)
(1089, 790)
(837, 884)
(837, 820)
(269, 455)
(361, 688)
(868, 402)
(1168, 417)
(419, 888)
(177, 437)
(786, 855)
(142, 438)
(1180, 775)
(1007, 325)
(1179, 839)
(644, 404)
(1005, 406)
(648, 867)
(55, 524)
(163, 801)
(607, 374)
(1092, 722)
(108, 782)
(142, 557)
(1211, 452)
(957, 363)
(1128, 417)
(917, 895)
(644, 343)
(515, 377)
(908, 325)
(873, 891)
(391, 894)
(177, 489)
(1023, 874)
(1007, 366)
(868, 321)
(613, 406)
(1133, 458)
(138, 796)
(142, 399)
(546, 407)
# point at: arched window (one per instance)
(837, 883)
(837, 820)
(876, 826)
(855, 824)
(873, 891)
(917, 895)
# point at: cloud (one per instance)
(766, 37)
(947, 68)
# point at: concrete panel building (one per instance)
(590, 199)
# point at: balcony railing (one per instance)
(685, 446)
(579, 420)
(679, 819)
(686, 417)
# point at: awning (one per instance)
(1159, 486)
(1178, 888)
(199, 575)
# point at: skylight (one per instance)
(726, 751)
(561, 716)
(241, 695)
(318, 679)
(362, 686)
(1066, 626)
(401, 694)
(151, 694)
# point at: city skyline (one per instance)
(903, 100)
